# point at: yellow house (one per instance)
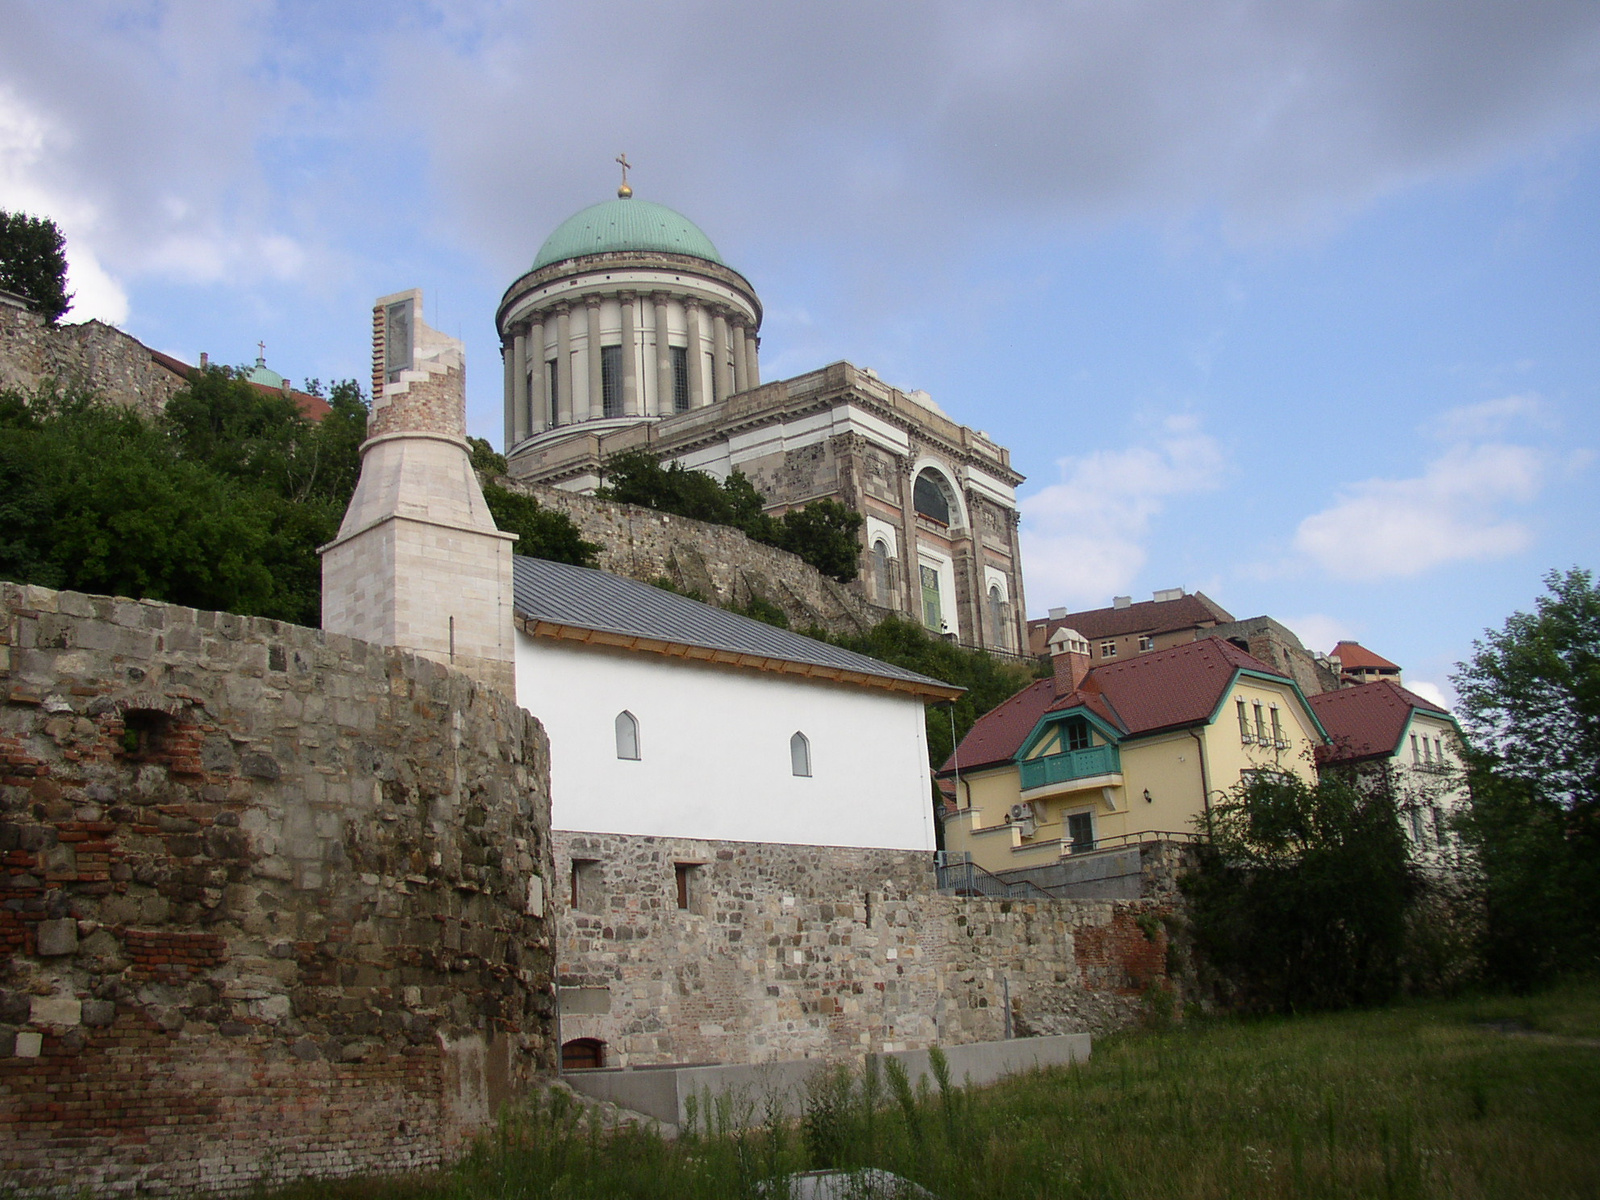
(1095, 759)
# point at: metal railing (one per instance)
(1074, 764)
(957, 873)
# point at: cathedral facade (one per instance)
(629, 332)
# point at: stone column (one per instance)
(719, 357)
(519, 388)
(911, 590)
(741, 372)
(752, 362)
(596, 396)
(538, 406)
(631, 407)
(1019, 606)
(564, 365)
(510, 404)
(697, 355)
(664, 380)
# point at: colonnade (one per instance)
(535, 368)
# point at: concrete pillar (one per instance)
(911, 590)
(663, 357)
(538, 373)
(741, 372)
(564, 365)
(751, 359)
(697, 380)
(519, 388)
(631, 407)
(719, 357)
(596, 397)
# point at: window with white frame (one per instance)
(1108, 649)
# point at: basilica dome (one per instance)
(625, 225)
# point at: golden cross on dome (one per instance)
(624, 191)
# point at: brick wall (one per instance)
(90, 355)
(270, 900)
(811, 951)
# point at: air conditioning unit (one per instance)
(1022, 815)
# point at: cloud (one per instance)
(1455, 511)
(1491, 418)
(1083, 538)
(1430, 691)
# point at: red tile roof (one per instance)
(1353, 656)
(1367, 721)
(1160, 689)
(1148, 616)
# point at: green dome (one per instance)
(625, 225)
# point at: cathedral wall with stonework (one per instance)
(91, 355)
(721, 564)
(271, 900)
(786, 952)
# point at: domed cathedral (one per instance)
(630, 332)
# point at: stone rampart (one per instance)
(271, 900)
(719, 563)
(91, 355)
(784, 952)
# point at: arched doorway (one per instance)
(583, 1054)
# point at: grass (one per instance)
(1422, 1100)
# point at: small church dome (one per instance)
(625, 224)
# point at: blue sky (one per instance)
(1295, 303)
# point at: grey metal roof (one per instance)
(588, 599)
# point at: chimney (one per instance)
(1069, 655)
(1122, 602)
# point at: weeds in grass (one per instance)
(1420, 1102)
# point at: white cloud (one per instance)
(1455, 511)
(1429, 691)
(1083, 538)
(1491, 418)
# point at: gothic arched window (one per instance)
(880, 570)
(627, 735)
(997, 614)
(800, 754)
(930, 497)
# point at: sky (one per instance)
(1294, 303)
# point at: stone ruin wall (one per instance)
(814, 951)
(271, 900)
(720, 563)
(91, 355)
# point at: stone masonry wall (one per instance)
(90, 355)
(790, 952)
(721, 564)
(271, 900)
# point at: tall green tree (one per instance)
(33, 263)
(1530, 702)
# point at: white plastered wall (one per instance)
(714, 751)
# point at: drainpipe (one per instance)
(1205, 784)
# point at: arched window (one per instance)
(627, 735)
(880, 570)
(800, 754)
(583, 1054)
(930, 497)
(997, 615)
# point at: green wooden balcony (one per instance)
(1074, 764)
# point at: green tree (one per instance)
(1302, 893)
(1530, 701)
(825, 534)
(33, 263)
(541, 532)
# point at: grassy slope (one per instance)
(1416, 1101)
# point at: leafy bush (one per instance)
(823, 533)
(1301, 897)
(541, 532)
